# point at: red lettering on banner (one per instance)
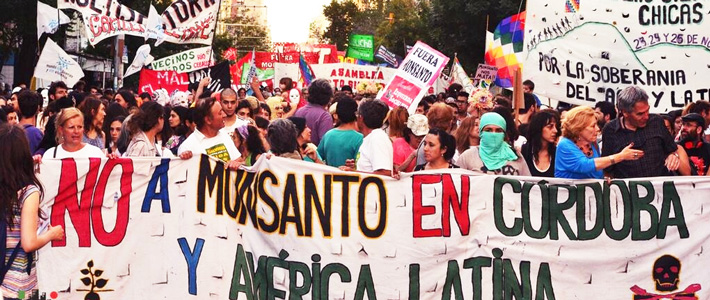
(104, 25)
(114, 237)
(449, 203)
(87, 214)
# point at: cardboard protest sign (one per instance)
(54, 64)
(586, 53)
(485, 75)
(419, 71)
(361, 46)
(193, 229)
(186, 61)
(191, 22)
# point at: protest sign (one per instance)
(348, 74)
(54, 64)
(186, 61)
(387, 56)
(361, 46)
(288, 228)
(191, 22)
(419, 71)
(151, 81)
(586, 53)
(219, 73)
(485, 75)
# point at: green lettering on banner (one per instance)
(622, 233)
(365, 284)
(476, 264)
(330, 269)
(498, 185)
(414, 281)
(275, 262)
(453, 281)
(514, 288)
(643, 204)
(671, 198)
(241, 270)
(497, 274)
(557, 211)
(582, 233)
(544, 289)
(545, 212)
(294, 290)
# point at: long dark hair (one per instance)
(16, 168)
(254, 144)
(537, 123)
(181, 129)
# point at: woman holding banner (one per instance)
(494, 155)
(439, 148)
(70, 132)
(20, 194)
(577, 155)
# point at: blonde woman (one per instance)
(577, 155)
(70, 132)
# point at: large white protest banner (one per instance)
(288, 229)
(191, 22)
(54, 64)
(106, 18)
(417, 72)
(584, 52)
(186, 61)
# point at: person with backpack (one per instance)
(20, 194)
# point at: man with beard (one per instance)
(691, 140)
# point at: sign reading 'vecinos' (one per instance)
(186, 61)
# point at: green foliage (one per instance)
(342, 16)
(407, 27)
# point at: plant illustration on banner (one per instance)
(93, 281)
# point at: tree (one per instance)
(408, 26)
(458, 26)
(342, 16)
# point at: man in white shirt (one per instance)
(207, 138)
(376, 153)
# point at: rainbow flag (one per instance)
(505, 48)
(306, 72)
(572, 6)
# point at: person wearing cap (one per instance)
(404, 147)
(340, 144)
(309, 151)
(493, 155)
(577, 154)
(691, 140)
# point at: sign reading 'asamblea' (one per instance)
(193, 229)
(584, 52)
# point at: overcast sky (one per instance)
(289, 19)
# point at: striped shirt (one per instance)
(17, 278)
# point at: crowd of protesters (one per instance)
(342, 129)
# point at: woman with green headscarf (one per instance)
(493, 155)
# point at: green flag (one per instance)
(361, 46)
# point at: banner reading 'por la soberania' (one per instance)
(417, 72)
(286, 229)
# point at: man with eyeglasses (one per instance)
(461, 107)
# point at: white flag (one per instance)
(142, 58)
(47, 19)
(54, 64)
(458, 75)
(154, 26)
